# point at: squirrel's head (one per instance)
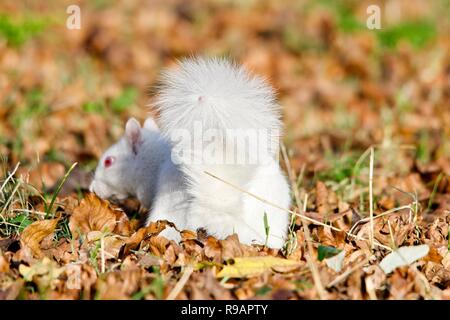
(118, 166)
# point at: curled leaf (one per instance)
(153, 229)
(95, 214)
(33, 235)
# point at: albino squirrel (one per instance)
(215, 120)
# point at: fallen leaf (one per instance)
(212, 249)
(336, 261)
(4, 264)
(322, 199)
(324, 252)
(253, 266)
(44, 272)
(35, 233)
(403, 256)
(153, 229)
(92, 214)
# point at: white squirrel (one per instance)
(216, 120)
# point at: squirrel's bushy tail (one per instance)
(217, 93)
(220, 119)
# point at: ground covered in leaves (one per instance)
(367, 116)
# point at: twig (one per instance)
(309, 257)
(311, 263)
(344, 275)
(9, 176)
(391, 234)
(10, 199)
(380, 215)
(102, 250)
(58, 189)
(181, 283)
(372, 231)
(370, 288)
(296, 213)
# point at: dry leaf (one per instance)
(44, 272)
(92, 214)
(36, 232)
(253, 266)
(336, 262)
(153, 229)
(402, 257)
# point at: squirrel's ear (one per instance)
(151, 125)
(133, 134)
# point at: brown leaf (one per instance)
(213, 249)
(322, 199)
(94, 214)
(436, 273)
(433, 256)
(153, 229)
(118, 285)
(158, 245)
(232, 248)
(35, 233)
(4, 264)
(123, 225)
(188, 235)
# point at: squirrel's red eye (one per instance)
(109, 161)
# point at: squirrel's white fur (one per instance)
(220, 96)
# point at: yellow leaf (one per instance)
(46, 270)
(36, 232)
(253, 266)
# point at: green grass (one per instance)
(26, 119)
(17, 32)
(302, 285)
(49, 208)
(156, 287)
(266, 228)
(94, 107)
(21, 220)
(345, 18)
(417, 33)
(342, 167)
(54, 155)
(93, 254)
(433, 193)
(14, 193)
(263, 291)
(126, 99)
(62, 229)
(423, 152)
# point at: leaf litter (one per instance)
(343, 91)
